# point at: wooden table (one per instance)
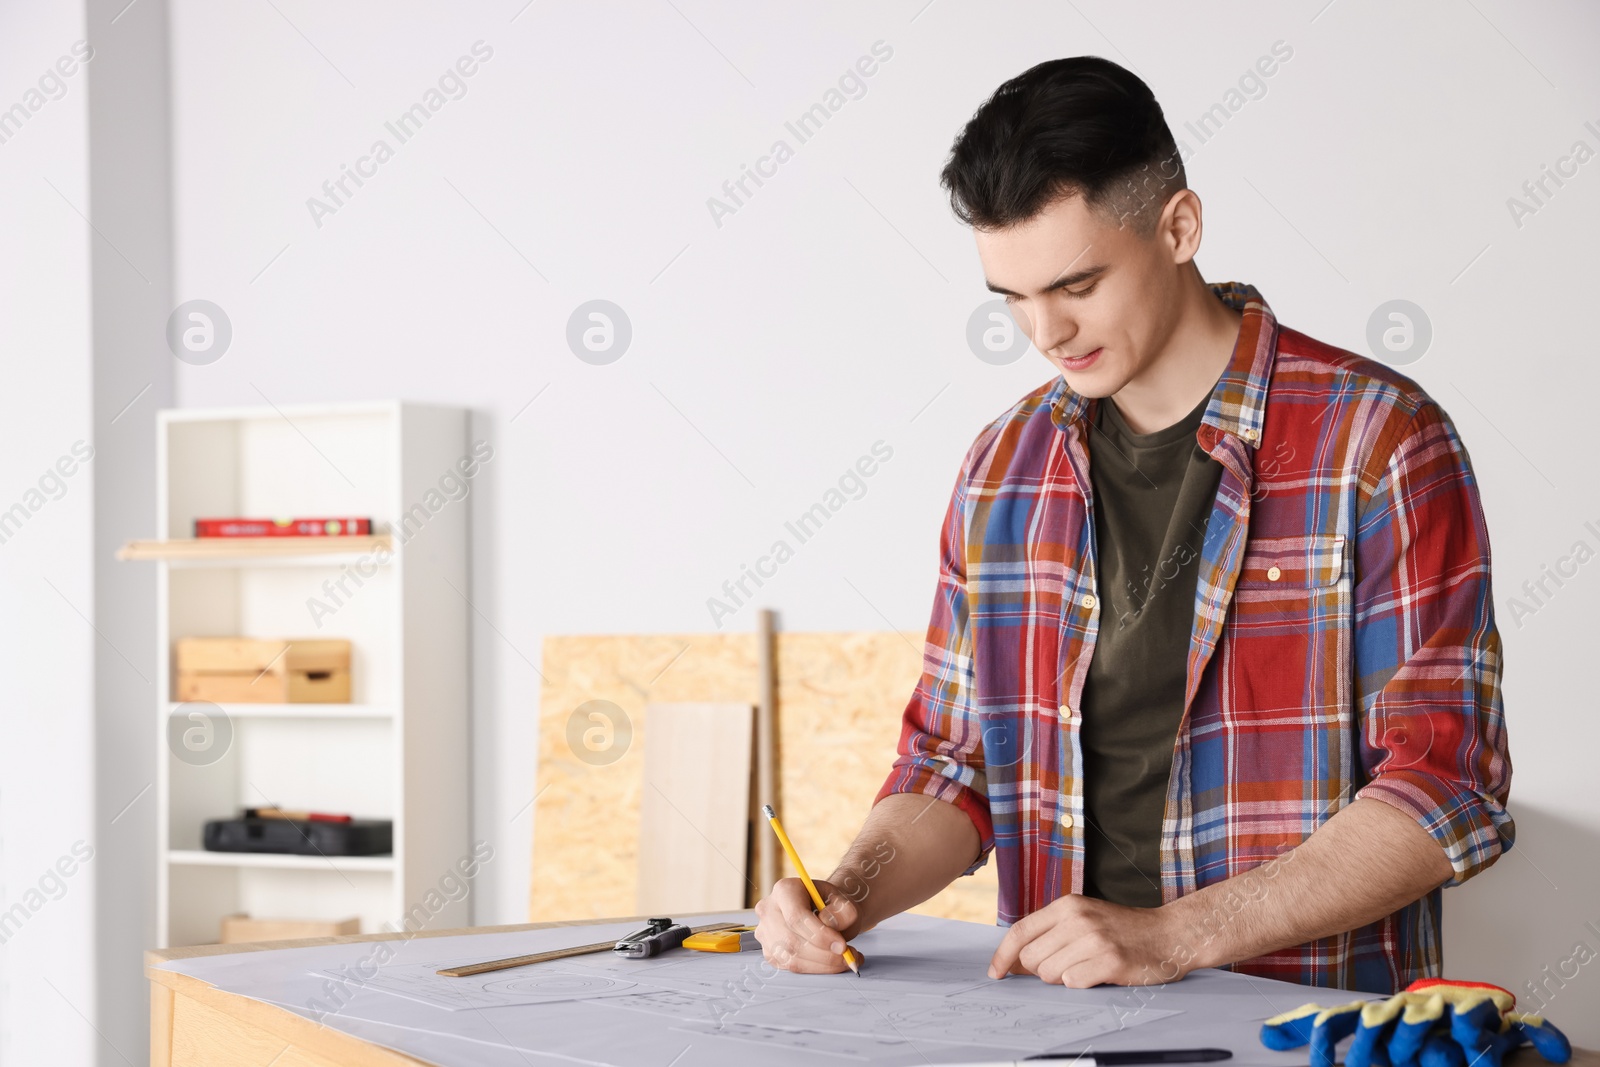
(193, 1024)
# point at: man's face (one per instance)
(1096, 298)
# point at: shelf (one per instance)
(403, 747)
(278, 861)
(256, 550)
(274, 414)
(294, 711)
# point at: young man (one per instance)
(1213, 670)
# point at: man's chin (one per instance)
(1092, 383)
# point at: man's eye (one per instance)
(1081, 292)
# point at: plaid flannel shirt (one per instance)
(1343, 643)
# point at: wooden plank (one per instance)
(693, 817)
(211, 548)
(766, 779)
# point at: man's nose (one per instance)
(1049, 328)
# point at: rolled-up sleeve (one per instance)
(940, 753)
(1427, 653)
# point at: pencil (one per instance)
(851, 959)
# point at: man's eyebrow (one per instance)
(1077, 277)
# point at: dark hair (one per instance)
(1078, 126)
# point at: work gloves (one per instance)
(1433, 1023)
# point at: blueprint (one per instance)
(923, 997)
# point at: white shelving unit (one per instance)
(399, 750)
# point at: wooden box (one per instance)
(237, 929)
(243, 670)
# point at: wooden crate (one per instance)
(237, 929)
(244, 670)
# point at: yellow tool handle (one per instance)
(731, 940)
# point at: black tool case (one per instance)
(358, 837)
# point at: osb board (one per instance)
(840, 696)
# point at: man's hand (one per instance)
(796, 938)
(1080, 941)
(911, 847)
(1369, 860)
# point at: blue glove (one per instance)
(1433, 1023)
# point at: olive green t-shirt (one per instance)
(1153, 494)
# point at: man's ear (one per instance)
(1181, 225)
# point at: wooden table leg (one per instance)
(160, 1025)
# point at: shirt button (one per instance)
(1273, 574)
(1251, 435)
(1065, 713)
(1066, 822)
(1088, 601)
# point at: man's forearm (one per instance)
(910, 847)
(1369, 860)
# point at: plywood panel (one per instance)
(840, 696)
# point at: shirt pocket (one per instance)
(1288, 567)
(1285, 662)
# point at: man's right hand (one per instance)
(911, 847)
(795, 937)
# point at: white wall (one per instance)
(48, 801)
(830, 311)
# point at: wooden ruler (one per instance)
(557, 954)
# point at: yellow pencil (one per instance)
(851, 959)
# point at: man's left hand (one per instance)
(1080, 941)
